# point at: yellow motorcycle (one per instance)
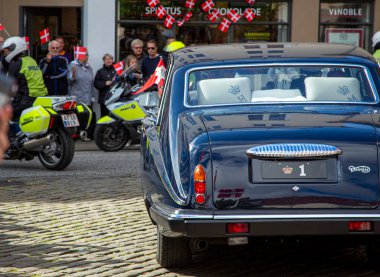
(47, 131)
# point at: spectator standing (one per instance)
(55, 69)
(63, 50)
(137, 46)
(135, 74)
(81, 80)
(150, 62)
(103, 80)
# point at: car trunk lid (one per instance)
(347, 178)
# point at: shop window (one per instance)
(137, 20)
(347, 22)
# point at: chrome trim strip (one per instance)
(173, 213)
(368, 75)
(293, 150)
(297, 216)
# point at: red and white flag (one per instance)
(181, 22)
(251, 2)
(44, 36)
(80, 52)
(188, 16)
(26, 41)
(207, 5)
(224, 25)
(190, 4)
(168, 22)
(213, 16)
(2, 27)
(152, 3)
(249, 15)
(233, 16)
(119, 67)
(160, 12)
(158, 77)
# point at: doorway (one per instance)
(65, 22)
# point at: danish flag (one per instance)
(169, 20)
(1, 27)
(119, 67)
(233, 16)
(249, 15)
(158, 77)
(251, 2)
(152, 3)
(160, 12)
(79, 52)
(181, 22)
(213, 16)
(224, 25)
(44, 36)
(190, 4)
(207, 5)
(188, 16)
(26, 41)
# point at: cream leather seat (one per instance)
(332, 89)
(224, 91)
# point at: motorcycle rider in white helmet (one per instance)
(26, 72)
(376, 46)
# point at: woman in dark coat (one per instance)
(103, 81)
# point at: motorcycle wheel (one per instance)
(58, 154)
(111, 138)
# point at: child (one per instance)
(134, 74)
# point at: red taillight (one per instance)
(69, 105)
(357, 226)
(51, 122)
(199, 184)
(237, 228)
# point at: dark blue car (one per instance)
(263, 141)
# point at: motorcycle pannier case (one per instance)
(34, 121)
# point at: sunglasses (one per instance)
(137, 47)
(55, 48)
(151, 48)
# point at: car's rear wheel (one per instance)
(172, 251)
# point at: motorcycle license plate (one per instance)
(70, 120)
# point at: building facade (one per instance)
(108, 26)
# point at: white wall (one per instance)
(99, 30)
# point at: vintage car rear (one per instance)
(263, 141)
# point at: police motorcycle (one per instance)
(126, 110)
(46, 131)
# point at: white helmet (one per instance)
(16, 45)
(375, 39)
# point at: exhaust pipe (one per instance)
(35, 143)
(199, 244)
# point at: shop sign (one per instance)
(345, 36)
(177, 11)
(345, 12)
(257, 36)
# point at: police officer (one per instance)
(376, 46)
(27, 73)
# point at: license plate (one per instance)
(70, 120)
(294, 170)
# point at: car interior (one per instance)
(279, 84)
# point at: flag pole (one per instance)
(5, 30)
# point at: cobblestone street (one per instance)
(99, 227)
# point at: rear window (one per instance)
(317, 83)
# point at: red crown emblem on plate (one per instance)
(287, 170)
